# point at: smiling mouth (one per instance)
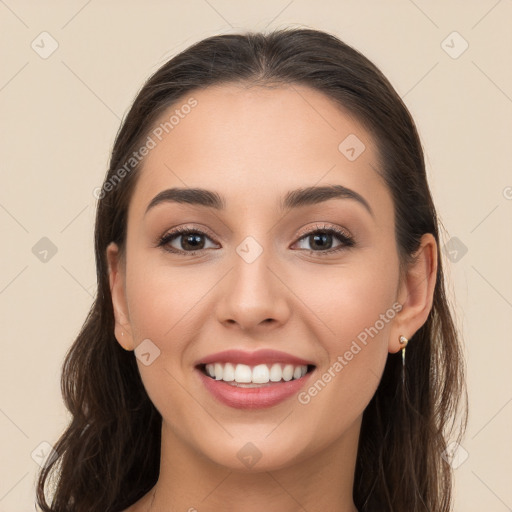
(254, 376)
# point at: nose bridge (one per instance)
(253, 294)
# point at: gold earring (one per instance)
(403, 341)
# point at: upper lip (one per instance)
(263, 356)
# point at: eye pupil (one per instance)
(193, 241)
(322, 239)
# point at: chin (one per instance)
(257, 452)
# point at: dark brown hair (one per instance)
(109, 455)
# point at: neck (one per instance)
(190, 482)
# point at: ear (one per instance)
(117, 278)
(416, 292)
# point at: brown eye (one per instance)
(184, 241)
(192, 241)
(321, 240)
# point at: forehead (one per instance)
(252, 143)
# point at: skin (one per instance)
(252, 145)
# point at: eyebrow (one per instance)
(293, 199)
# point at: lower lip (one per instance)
(252, 398)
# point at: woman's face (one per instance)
(268, 282)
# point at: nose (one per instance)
(254, 296)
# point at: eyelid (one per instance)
(324, 227)
(187, 227)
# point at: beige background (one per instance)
(60, 115)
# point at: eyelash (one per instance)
(346, 241)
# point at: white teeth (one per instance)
(259, 374)
(218, 371)
(276, 373)
(242, 373)
(228, 373)
(288, 372)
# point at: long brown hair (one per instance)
(109, 455)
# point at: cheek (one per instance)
(352, 301)
(162, 303)
(358, 307)
(162, 299)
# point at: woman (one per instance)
(266, 247)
